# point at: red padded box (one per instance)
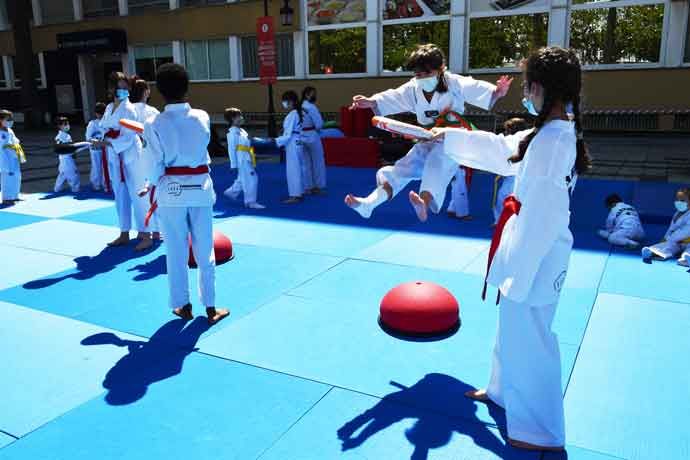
(354, 152)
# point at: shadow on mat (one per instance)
(147, 362)
(107, 260)
(427, 401)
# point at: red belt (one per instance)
(511, 207)
(172, 171)
(111, 134)
(468, 176)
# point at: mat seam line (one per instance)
(9, 434)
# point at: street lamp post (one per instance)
(272, 132)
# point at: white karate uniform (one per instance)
(314, 162)
(94, 132)
(292, 131)
(126, 147)
(247, 181)
(623, 226)
(676, 239)
(529, 269)
(179, 137)
(10, 168)
(425, 160)
(505, 188)
(459, 195)
(67, 167)
(144, 167)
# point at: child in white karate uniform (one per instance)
(11, 158)
(291, 140)
(677, 238)
(178, 140)
(314, 165)
(459, 206)
(504, 185)
(67, 168)
(530, 251)
(432, 93)
(94, 133)
(242, 158)
(623, 226)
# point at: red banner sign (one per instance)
(266, 50)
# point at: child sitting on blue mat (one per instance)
(677, 238)
(623, 226)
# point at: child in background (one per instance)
(67, 168)
(623, 226)
(242, 157)
(677, 236)
(459, 206)
(94, 132)
(292, 132)
(314, 163)
(11, 157)
(504, 185)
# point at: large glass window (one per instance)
(208, 60)
(285, 56)
(96, 8)
(147, 59)
(323, 12)
(400, 9)
(36, 70)
(400, 39)
(337, 51)
(201, 2)
(504, 41)
(56, 11)
(687, 41)
(3, 77)
(621, 35)
(4, 18)
(144, 6)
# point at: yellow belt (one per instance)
(19, 151)
(250, 151)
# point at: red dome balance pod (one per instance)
(419, 309)
(222, 247)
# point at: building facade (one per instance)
(636, 52)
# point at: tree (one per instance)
(19, 12)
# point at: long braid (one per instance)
(583, 162)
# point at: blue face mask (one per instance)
(529, 105)
(122, 94)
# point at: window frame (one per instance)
(208, 60)
(604, 5)
(686, 41)
(250, 79)
(133, 61)
(12, 79)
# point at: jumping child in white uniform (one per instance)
(242, 158)
(431, 94)
(314, 162)
(291, 140)
(94, 133)
(178, 139)
(67, 168)
(504, 185)
(623, 226)
(530, 251)
(677, 238)
(11, 158)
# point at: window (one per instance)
(144, 6)
(338, 51)
(4, 18)
(503, 41)
(56, 11)
(621, 35)
(3, 77)
(36, 70)
(331, 12)
(201, 2)
(401, 9)
(96, 8)
(284, 49)
(687, 40)
(208, 60)
(400, 39)
(147, 59)
(514, 6)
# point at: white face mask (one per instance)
(681, 206)
(428, 84)
(8, 123)
(65, 128)
(286, 105)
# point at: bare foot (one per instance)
(122, 240)
(527, 446)
(216, 314)
(359, 205)
(156, 235)
(477, 395)
(144, 244)
(184, 312)
(419, 206)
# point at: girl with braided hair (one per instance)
(531, 247)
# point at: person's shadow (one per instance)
(427, 401)
(147, 362)
(151, 269)
(107, 260)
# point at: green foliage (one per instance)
(503, 41)
(343, 50)
(400, 40)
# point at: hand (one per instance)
(144, 191)
(438, 134)
(362, 102)
(502, 86)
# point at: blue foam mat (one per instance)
(576, 453)
(213, 409)
(11, 220)
(623, 398)
(5, 440)
(354, 426)
(58, 205)
(27, 264)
